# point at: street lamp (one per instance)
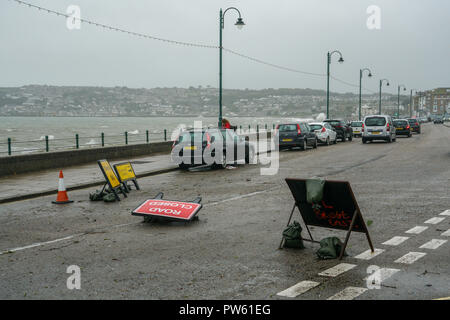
(381, 84)
(341, 60)
(361, 71)
(411, 102)
(398, 99)
(239, 24)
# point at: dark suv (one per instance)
(292, 135)
(344, 131)
(215, 147)
(415, 125)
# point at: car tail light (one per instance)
(276, 129)
(323, 129)
(362, 127)
(298, 129)
(208, 140)
(407, 127)
(388, 128)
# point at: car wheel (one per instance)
(304, 145)
(223, 163)
(249, 156)
(183, 166)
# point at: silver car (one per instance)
(378, 127)
(324, 132)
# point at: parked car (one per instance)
(288, 136)
(356, 128)
(216, 147)
(343, 130)
(438, 120)
(415, 125)
(378, 127)
(324, 132)
(402, 127)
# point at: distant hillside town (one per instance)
(44, 100)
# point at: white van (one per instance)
(378, 127)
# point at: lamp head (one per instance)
(341, 60)
(370, 75)
(239, 23)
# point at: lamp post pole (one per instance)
(361, 71)
(329, 54)
(411, 103)
(381, 85)
(240, 23)
(398, 99)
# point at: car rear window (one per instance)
(334, 123)
(375, 122)
(315, 127)
(356, 124)
(287, 127)
(400, 122)
(412, 120)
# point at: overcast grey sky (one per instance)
(412, 47)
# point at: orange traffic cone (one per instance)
(62, 193)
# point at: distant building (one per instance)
(433, 102)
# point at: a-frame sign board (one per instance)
(111, 179)
(337, 210)
(125, 173)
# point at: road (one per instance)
(231, 252)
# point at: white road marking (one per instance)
(298, 289)
(337, 270)
(38, 244)
(445, 213)
(410, 257)
(446, 233)
(382, 274)
(417, 230)
(395, 241)
(434, 220)
(241, 196)
(348, 293)
(433, 244)
(367, 255)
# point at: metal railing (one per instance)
(48, 143)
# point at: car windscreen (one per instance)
(190, 137)
(287, 127)
(356, 124)
(400, 123)
(375, 122)
(315, 127)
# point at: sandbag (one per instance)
(330, 248)
(314, 190)
(293, 236)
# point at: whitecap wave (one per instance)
(91, 142)
(50, 137)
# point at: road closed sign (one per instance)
(167, 209)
